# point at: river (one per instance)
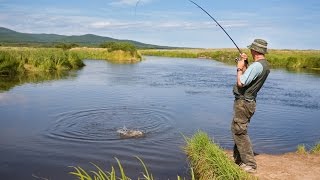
(47, 126)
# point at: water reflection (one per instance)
(315, 72)
(8, 82)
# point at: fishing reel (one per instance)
(238, 59)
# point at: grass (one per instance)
(301, 149)
(100, 174)
(14, 60)
(308, 59)
(210, 162)
(315, 149)
(116, 56)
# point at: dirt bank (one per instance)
(291, 166)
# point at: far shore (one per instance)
(292, 59)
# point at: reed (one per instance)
(209, 161)
(309, 59)
(14, 60)
(116, 56)
(100, 174)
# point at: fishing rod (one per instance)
(218, 24)
(212, 19)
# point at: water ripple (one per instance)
(95, 125)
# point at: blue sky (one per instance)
(285, 24)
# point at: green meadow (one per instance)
(291, 59)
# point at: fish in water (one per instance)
(130, 133)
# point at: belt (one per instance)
(246, 99)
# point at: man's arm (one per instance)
(241, 68)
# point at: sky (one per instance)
(285, 24)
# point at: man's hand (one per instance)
(241, 63)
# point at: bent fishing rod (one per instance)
(217, 24)
(212, 19)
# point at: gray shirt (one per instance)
(253, 71)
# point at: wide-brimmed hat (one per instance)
(259, 45)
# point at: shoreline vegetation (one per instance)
(291, 59)
(19, 60)
(208, 161)
(19, 65)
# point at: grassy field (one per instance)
(15, 60)
(308, 59)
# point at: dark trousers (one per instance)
(242, 151)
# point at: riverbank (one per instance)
(17, 60)
(291, 166)
(209, 161)
(307, 59)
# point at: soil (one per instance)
(291, 166)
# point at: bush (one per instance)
(124, 46)
(65, 46)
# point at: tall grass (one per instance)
(210, 162)
(14, 60)
(116, 56)
(100, 174)
(309, 59)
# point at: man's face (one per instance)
(252, 53)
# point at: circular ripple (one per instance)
(102, 124)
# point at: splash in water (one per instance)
(130, 133)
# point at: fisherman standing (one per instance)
(249, 81)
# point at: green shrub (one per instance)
(123, 46)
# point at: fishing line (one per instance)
(218, 24)
(135, 9)
(209, 16)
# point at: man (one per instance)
(249, 81)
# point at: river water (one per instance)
(49, 125)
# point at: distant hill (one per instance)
(10, 37)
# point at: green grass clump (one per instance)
(210, 162)
(100, 174)
(315, 149)
(115, 56)
(301, 149)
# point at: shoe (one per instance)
(248, 169)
